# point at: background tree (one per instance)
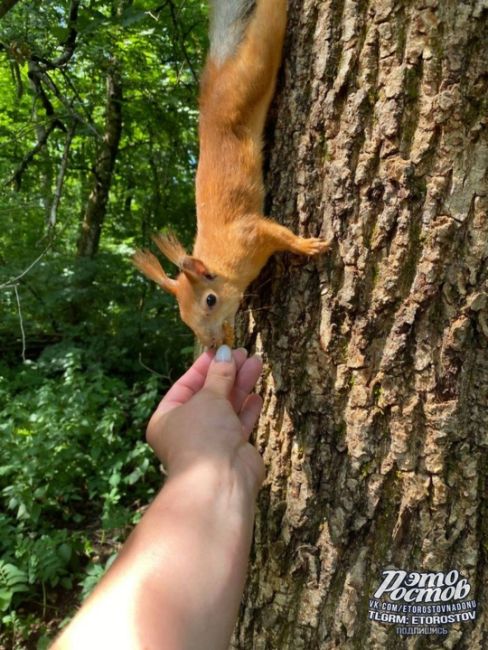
(376, 358)
(86, 344)
(63, 149)
(91, 227)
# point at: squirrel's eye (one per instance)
(211, 299)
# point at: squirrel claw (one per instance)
(314, 246)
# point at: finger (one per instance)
(247, 377)
(188, 384)
(240, 356)
(193, 379)
(249, 414)
(222, 372)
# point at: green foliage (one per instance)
(72, 458)
(100, 343)
(154, 171)
(12, 581)
(71, 455)
(93, 576)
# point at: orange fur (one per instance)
(149, 264)
(170, 247)
(234, 239)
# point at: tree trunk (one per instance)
(6, 6)
(375, 422)
(96, 207)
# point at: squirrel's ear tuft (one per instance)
(149, 264)
(171, 248)
(195, 269)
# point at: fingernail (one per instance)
(243, 350)
(224, 353)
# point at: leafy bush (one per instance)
(72, 461)
(74, 469)
(12, 581)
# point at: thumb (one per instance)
(221, 374)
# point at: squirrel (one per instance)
(234, 239)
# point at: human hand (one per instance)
(178, 579)
(208, 416)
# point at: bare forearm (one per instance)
(178, 580)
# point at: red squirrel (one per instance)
(234, 239)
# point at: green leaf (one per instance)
(131, 16)
(65, 552)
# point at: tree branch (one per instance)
(62, 173)
(94, 216)
(21, 321)
(68, 105)
(154, 13)
(70, 42)
(181, 40)
(13, 281)
(36, 77)
(16, 177)
(84, 108)
(17, 78)
(6, 5)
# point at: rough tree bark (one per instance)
(375, 423)
(91, 227)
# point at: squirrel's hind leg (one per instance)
(258, 59)
(237, 89)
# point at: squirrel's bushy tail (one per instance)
(228, 21)
(246, 42)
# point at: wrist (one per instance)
(210, 486)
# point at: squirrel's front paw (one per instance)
(313, 246)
